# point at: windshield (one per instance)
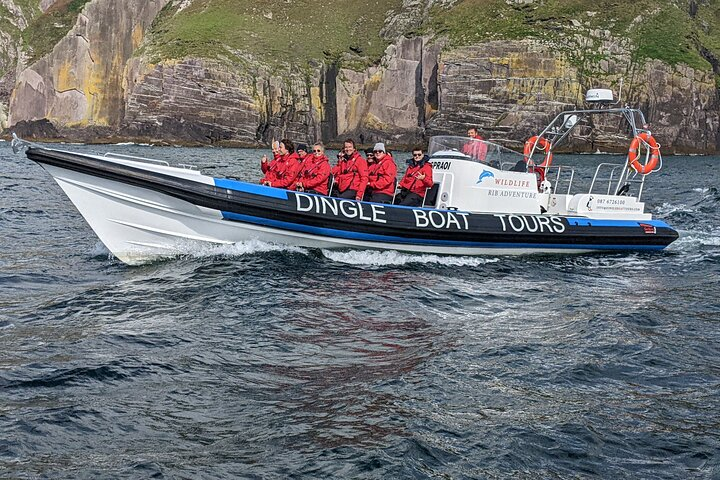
(474, 150)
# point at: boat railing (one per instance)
(617, 174)
(186, 166)
(559, 175)
(133, 157)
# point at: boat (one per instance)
(486, 200)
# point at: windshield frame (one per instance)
(472, 150)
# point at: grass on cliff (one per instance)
(9, 27)
(658, 29)
(274, 31)
(46, 30)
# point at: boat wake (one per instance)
(690, 240)
(394, 258)
(194, 250)
(240, 249)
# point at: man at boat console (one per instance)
(282, 171)
(476, 147)
(350, 174)
(417, 180)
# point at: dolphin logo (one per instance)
(485, 174)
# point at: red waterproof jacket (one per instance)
(282, 171)
(382, 176)
(477, 150)
(314, 174)
(411, 182)
(352, 173)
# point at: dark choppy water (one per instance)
(263, 362)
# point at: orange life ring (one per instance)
(634, 153)
(544, 145)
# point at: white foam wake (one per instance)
(689, 240)
(203, 250)
(668, 208)
(239, 249)
(390, 257)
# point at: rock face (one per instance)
(393, 101)
(9, 53)
(79, 84)
(92, 87)
(512, 89)
(202, 101)
(199, 101)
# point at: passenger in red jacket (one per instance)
(350, 174)
(382, 176)
(282, 171)
(314, 172)
(418, 178)
(302, 150)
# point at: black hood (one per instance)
(422, 162)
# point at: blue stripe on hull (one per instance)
(330, 232)
(251, 188)
(589, 222)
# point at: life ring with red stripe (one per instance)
(634, 153)
(543, 145)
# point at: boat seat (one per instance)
(431, 196)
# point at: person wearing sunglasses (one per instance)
(350, 173)
(314, 172)
(382, 176)
(369, 156)
(418, 178)
(283, 169)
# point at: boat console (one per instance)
(469, 177)
(482, 177)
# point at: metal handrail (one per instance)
(133, 157)
(560, 170)
(622, 179)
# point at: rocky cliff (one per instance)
(115, 76)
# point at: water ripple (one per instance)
(260, 361)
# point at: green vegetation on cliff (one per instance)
(10, 29)
(283, 32)
(46, 30)
(656, 29)
(275, 31)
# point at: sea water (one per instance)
(262, 361)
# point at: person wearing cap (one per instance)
(369, 156)
(314, 172)
(282, 171)
(350, 173)
(382, 176)
(418, 178)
